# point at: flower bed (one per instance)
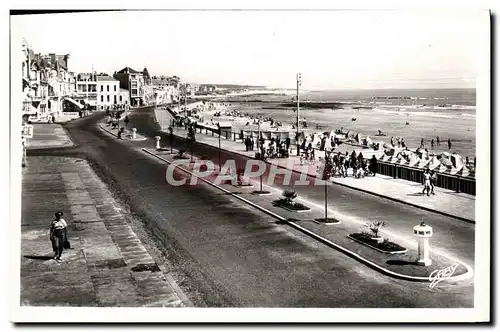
(328, 221)
(291, 206)
(386, 246)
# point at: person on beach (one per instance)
(427, 182)
(467, 161)
(392, 141)
(422, 143)
(58, 235)
(403, 145)
(437, 141)
(449, 144)
(432, 144)
(399, 142)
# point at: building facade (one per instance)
(110, 94)
(46, 83)
(134, 82)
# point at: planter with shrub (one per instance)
(288, 203)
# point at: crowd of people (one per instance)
(337, 164)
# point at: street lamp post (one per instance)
(258, 130)
(299, 82)
(171, 130)
(220, 160)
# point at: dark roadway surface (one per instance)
(234, 255)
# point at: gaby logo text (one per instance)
(439, 275)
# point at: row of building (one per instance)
(49, 88)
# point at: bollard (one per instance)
(423, 234)
(158, 138)
(134, 133)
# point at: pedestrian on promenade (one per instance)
(58, 235)
(433, 181)
(373, 165)
(449, 144)
(427, 182)
(437, 140)
(392, 141)
(467, 161)
(120, 132)
(126, 120)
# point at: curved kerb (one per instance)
(315, 236)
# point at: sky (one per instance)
(332, 49)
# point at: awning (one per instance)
(80, 106)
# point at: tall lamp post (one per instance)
(258, 130)
(326, 174)
(299, 82)
(219, 132)
(171, 130)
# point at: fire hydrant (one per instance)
(158, 138)
(134, 131)
(423, 234)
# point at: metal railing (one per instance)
(456, 183)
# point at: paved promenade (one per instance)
(48, 136)
(107, 264)
(445, 201)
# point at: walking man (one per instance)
(58, 235)
(437, 141)
(427, 182)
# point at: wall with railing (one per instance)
(457, 183)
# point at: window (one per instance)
(102, 99)
(115, 99)
(115, 88)
(108, 87)
(107, 98)
(102, 88)
(121, 98)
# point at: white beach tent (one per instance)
(457, 160)
(423, 163)
(434, 162)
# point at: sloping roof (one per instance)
(105, 78)
(145, 72)
(128, 70)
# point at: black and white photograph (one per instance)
(295, 165)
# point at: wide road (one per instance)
(237, 256)
(452, 236)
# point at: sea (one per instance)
(413, 114)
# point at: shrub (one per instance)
(289, 196)
(375, 227)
